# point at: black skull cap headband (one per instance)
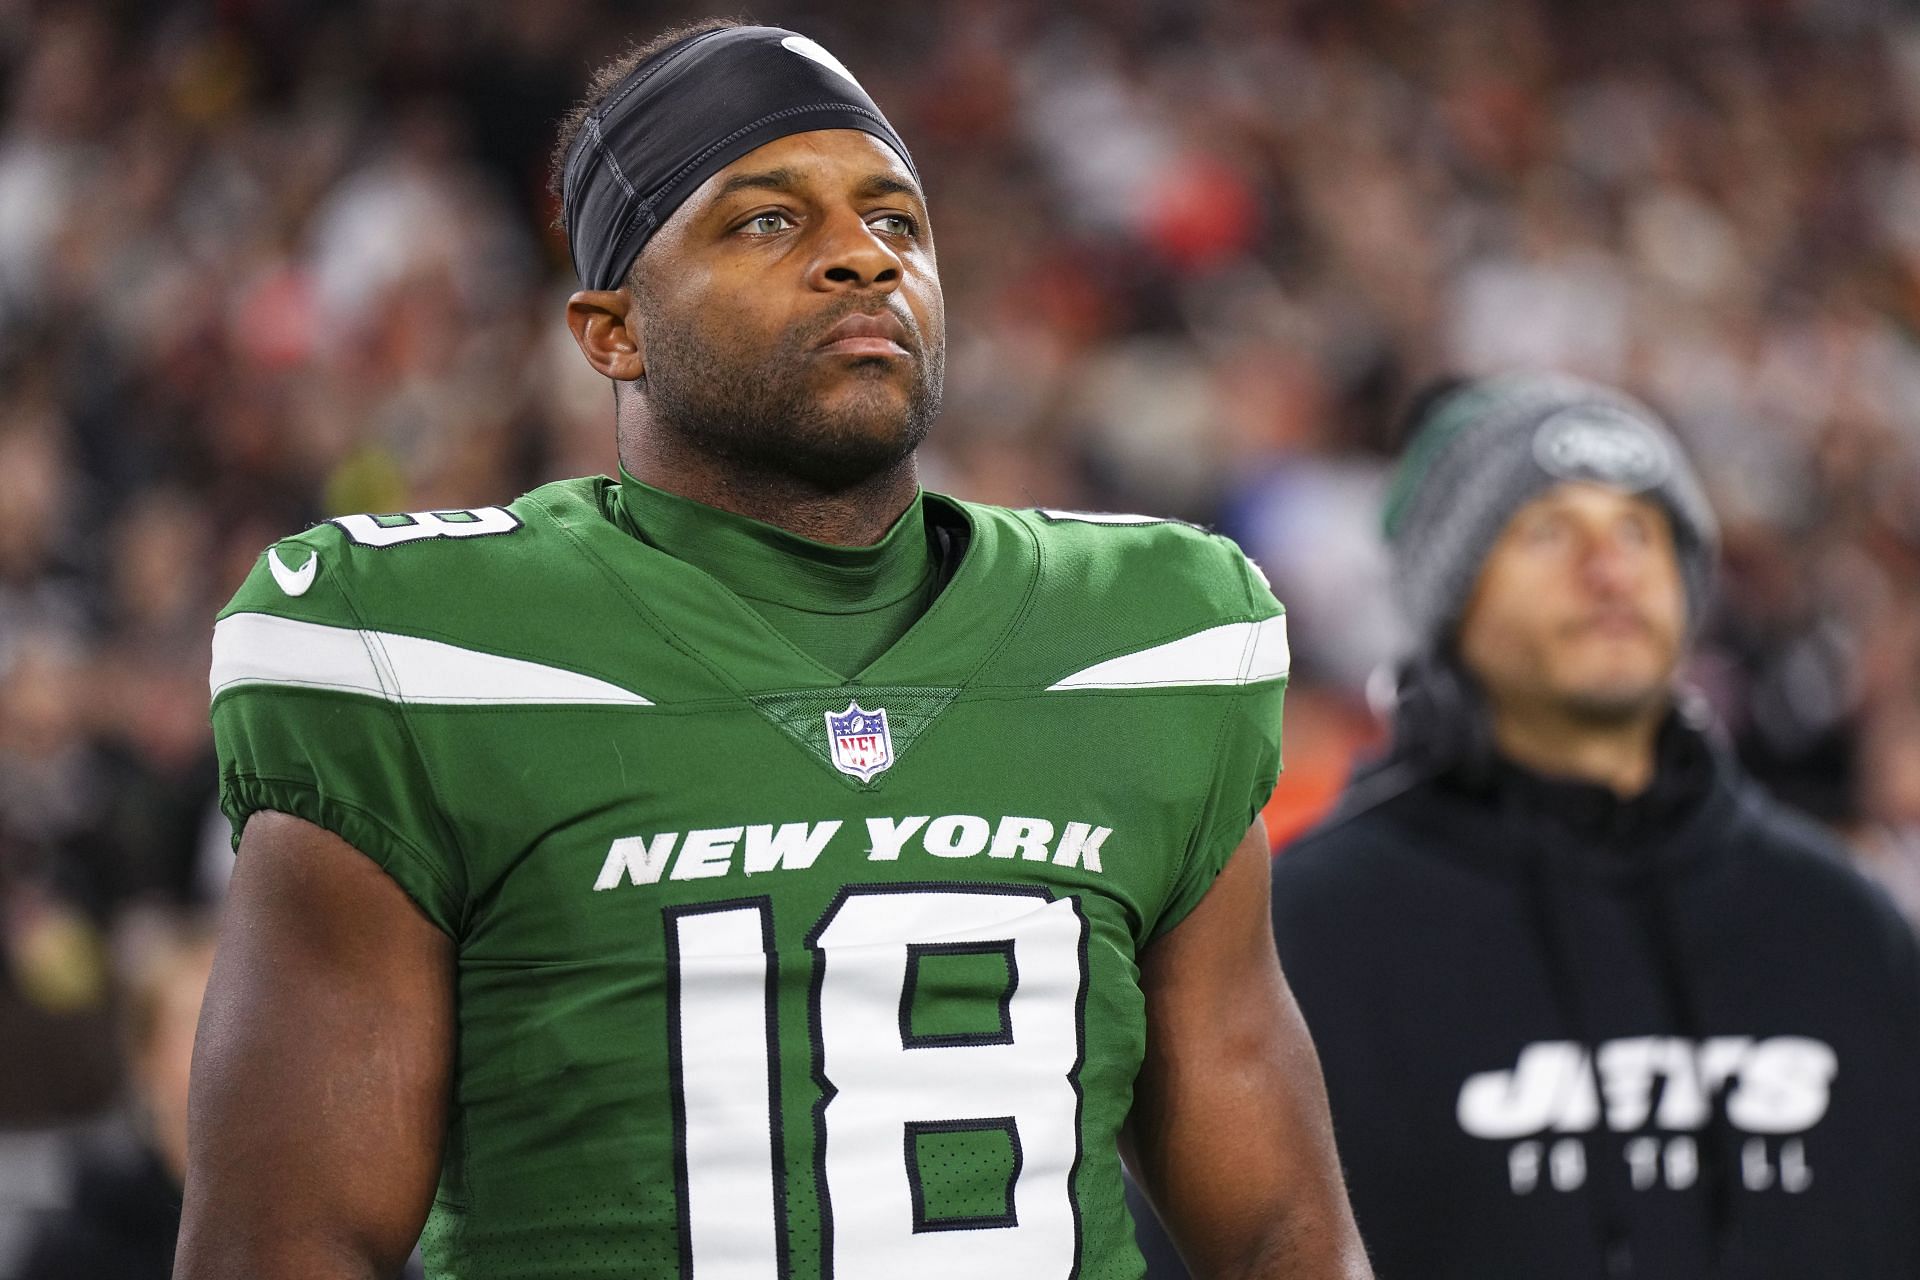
(685, 114)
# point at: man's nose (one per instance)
(1612, 561)
(853, 256)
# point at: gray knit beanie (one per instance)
(1488, 447)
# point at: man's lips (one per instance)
(1611, 625)
(864, 335)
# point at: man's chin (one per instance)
(841, 450)
(866, 391)
(863, 430)
(1610, 703)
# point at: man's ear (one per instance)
(608, 328)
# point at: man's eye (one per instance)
(766, 224)
(1637, 532)
(1546, 532)
(894, 224)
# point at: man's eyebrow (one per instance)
(764, 180)
(885, 184)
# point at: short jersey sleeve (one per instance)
(1246, 758)
(304, 724)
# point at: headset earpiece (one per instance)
(1440, 718)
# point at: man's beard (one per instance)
(1607, 702)
(1611, 708)
(763, 414)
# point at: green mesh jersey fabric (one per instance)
(763, 971)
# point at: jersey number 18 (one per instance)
(889, 1098)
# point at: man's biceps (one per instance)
(1233, 915)
(1213, 983)
(308, 887)
(320, 954)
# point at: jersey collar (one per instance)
(760, 561)
(965, 626)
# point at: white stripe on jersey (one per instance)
(1236, 653)
(1104, 517)
(261, 648)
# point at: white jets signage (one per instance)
(1773, 1090)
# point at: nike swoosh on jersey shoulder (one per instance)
(293, 581)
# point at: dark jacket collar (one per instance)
(1499, 817)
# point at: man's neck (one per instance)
(858, 515)
(1560, 744)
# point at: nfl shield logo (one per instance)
(862, 745)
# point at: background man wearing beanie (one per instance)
(752, 867)
(1589, 1003)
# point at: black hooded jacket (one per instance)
(123, 1218)
(1566, 1036)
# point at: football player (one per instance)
(754, 866)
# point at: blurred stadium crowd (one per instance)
(266, 261)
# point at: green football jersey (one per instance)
(764, 972)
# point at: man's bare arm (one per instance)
(320, 1071)
(1229, 1135)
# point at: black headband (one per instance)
(684, 115)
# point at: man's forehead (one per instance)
(1588, 495)
(821, 158)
